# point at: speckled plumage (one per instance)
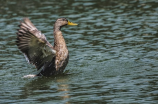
(51, 60)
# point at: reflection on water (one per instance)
(44, 89)
(63, 87)
(113, 52)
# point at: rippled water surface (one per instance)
(113, 52)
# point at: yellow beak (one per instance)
(70, 23)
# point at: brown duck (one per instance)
(50, 60)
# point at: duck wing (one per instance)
(34, 45)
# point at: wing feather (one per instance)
(34, 44)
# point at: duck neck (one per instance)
(59, 41)
(57, 27)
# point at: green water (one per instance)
(113, 52)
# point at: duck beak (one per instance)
(70, 23)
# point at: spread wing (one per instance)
(34, 45)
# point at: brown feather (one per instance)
(30, 42)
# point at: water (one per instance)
(113, 52)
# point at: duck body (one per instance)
(50, 60)
(60, 61)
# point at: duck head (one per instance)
(60, 22)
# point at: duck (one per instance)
(49, 60)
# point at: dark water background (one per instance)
(113, 52)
